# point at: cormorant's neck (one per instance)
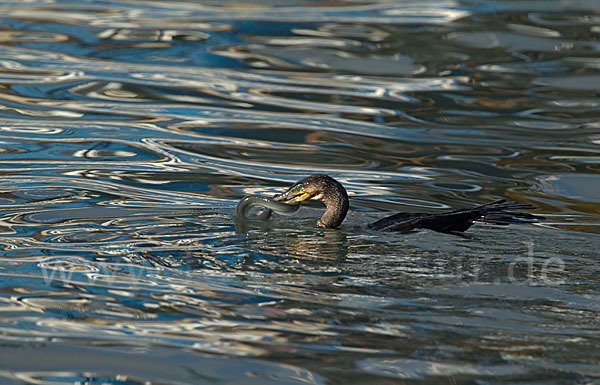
(336, 203)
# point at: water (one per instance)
(130, 129)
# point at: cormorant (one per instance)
(325, 189)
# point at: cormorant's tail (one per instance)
(499, 212)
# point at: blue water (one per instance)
(129, 130)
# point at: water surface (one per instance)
(129, 131)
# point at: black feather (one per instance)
(459, 220)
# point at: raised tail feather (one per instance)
(498, 213)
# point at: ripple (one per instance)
(572, 186)
(72, 362)
(419, 370)
(129, 131)
(32, 130)
(571, 82)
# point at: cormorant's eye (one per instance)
(298, 188)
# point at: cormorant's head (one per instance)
(311, 187)
(322, 188)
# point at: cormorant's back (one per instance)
(459, 220)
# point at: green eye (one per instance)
(298, 188)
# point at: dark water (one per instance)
(129, 130)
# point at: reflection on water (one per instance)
(129, 131)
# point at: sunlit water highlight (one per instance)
(130, 130)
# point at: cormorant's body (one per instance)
(459, 220)
(329, 191)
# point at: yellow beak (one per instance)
(304, 196)
(299, 198)
(296, 193)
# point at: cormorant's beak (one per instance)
(293, 195)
